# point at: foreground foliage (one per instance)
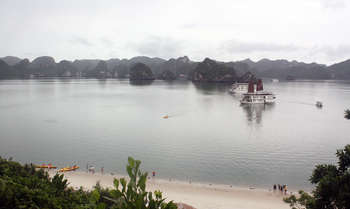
(133, 194)
(332, 186)
(26, 187)
(347, 114)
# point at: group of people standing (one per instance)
(282, 188)
(91, 169)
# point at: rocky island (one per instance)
(212, 71)
(141, 71)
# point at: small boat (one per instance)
(275, 80)
(166, 116)
(49, 166)
(319, 104)
(73, 168)
(259, 96)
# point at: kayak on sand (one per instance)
(49, 166)
(75, 167)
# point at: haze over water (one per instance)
(209, 136)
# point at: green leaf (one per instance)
(123, 183)
(95, 196)
(116, 183)
(131, 161)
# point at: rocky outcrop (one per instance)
(43, 62)
(248, 77)
(151, 62)
(282, 68)
(180, 67)
(66, 69)
(21, 68)
(211, 71)
(5, 70)
(121, 71)
(100, 71)
(43, 66)
(112, 63)
(140, 71)
(11, 60)
(340, 70)
(85, 64)
(239, 66)
(167, 75)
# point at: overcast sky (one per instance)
(304, 30)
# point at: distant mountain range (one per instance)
(179, 68)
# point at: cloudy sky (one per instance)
(304, 30)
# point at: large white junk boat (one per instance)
(239, 88)
(258, 96)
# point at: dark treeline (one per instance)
(180, 68)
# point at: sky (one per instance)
(225, 30)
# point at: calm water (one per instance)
(209, 137)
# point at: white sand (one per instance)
(200, 196)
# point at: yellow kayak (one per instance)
(69, 169)
(49, 166)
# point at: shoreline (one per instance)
(198, 195)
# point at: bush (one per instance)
(26, 187)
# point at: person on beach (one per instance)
(92, 169)
(274, 187)
(102, 170)
(279, 187)
(153, 173)
(87, 167)
(285, 189)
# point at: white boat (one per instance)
(275, 80)
(258, 96)
(239, 88)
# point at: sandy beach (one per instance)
(200, 196)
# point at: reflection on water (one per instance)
(141, 82)
(211, 88)
(254, 112)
